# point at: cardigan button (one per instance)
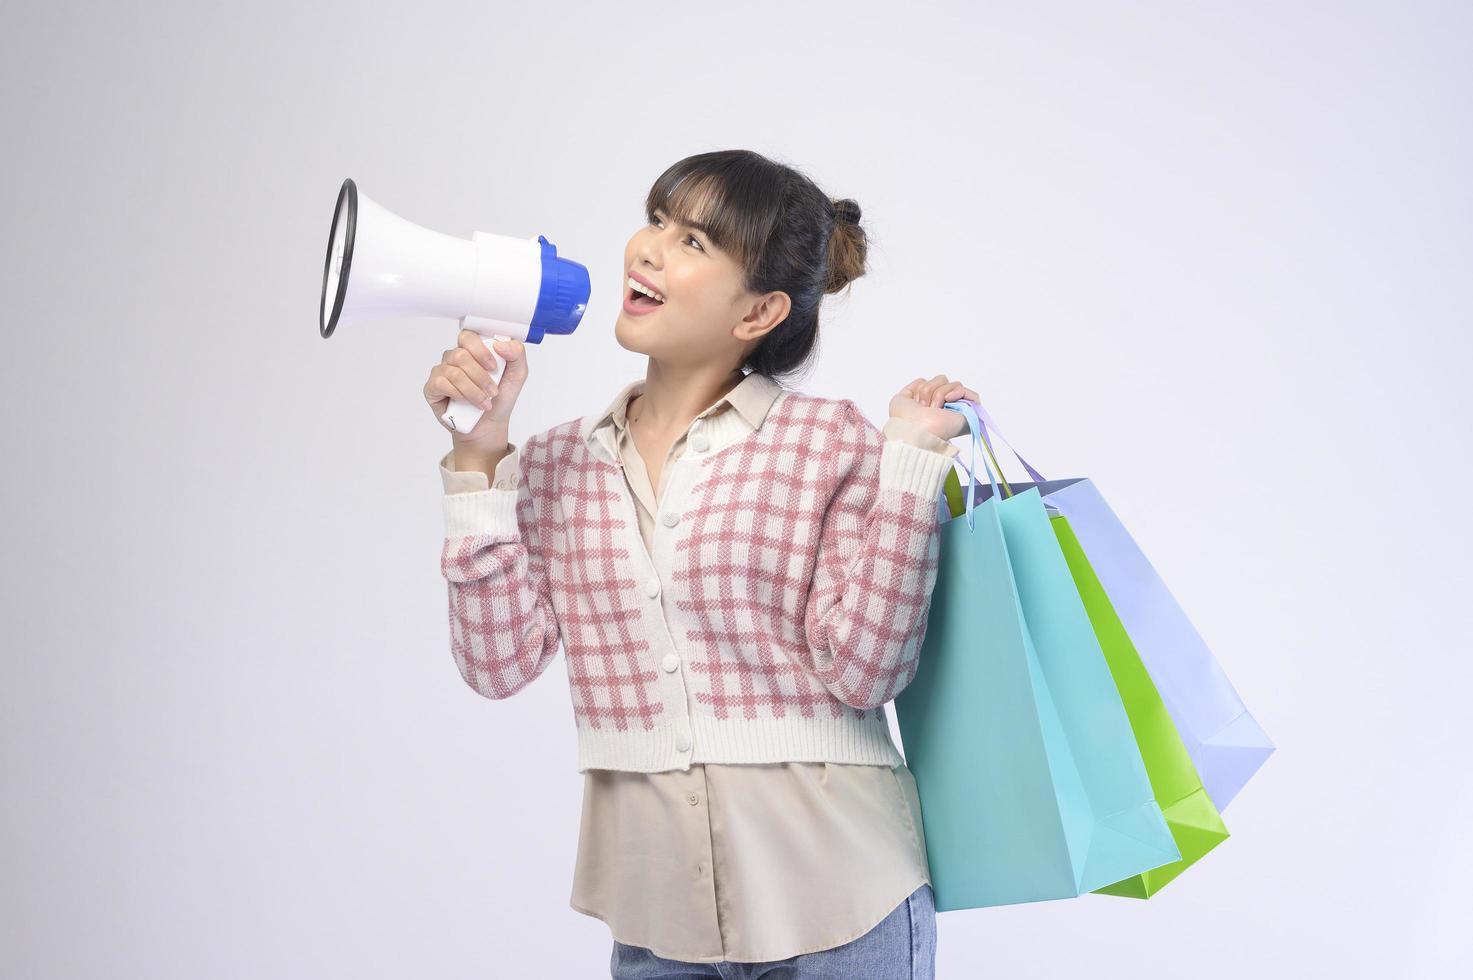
(670, 662)
(682, 741)
(699, 442)
(670, 518)
(652, 587)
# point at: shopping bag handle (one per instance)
(968, 409)
(975, 426)
(988, 422)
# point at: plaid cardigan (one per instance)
(801, 570)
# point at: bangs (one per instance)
(729, 201)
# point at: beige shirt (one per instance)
(745, 863)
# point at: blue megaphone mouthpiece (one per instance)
(563, 297)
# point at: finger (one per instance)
(479, 370)
(509, 347)
(463, 359)
(433, 390)
(474, 343)
(460, 385)
(514, 353)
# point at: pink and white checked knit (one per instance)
(797, 598)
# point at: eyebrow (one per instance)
(693, 225)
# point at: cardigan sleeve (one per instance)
(879, 546)
(503, 629)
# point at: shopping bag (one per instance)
(1226, 744)
(1030, 781)
(1195, 823)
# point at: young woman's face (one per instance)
(707, 313)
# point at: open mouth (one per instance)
(641, 301)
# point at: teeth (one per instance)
(641, 287)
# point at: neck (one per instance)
(671, 398)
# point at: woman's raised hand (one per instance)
(922, 400)
(465, 372)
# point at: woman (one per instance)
(739, 574)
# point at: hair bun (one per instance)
(847, 209)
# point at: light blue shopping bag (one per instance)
(1226, 743)
(1031, 783)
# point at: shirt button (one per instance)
(682, 741)
(699, 442)
(652, 587)
(670, 518)
(670, 662)
(692, 799)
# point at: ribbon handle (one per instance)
(988, 422)
(968, 410)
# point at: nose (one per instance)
(651, 247)
(649, 253)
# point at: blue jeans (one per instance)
(902, 946)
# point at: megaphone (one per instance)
(380, 265)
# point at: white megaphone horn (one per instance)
(380, 265)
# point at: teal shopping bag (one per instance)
(1225, 741)
(1031, 783)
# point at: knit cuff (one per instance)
(490, 512)
(904, 466)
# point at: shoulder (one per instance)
(556, 441)
(544, 454)
(838, 416)
(834, 433)
(838, 419)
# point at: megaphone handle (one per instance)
(462, 416)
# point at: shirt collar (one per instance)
(752, 398)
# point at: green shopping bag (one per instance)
(1194, 821)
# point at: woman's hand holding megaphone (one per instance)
(465, 373)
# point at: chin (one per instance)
(626, 335)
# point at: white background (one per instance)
(1214, 256)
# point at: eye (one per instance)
(655, 220)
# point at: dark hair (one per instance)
(783, 231)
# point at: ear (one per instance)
(766, 313)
